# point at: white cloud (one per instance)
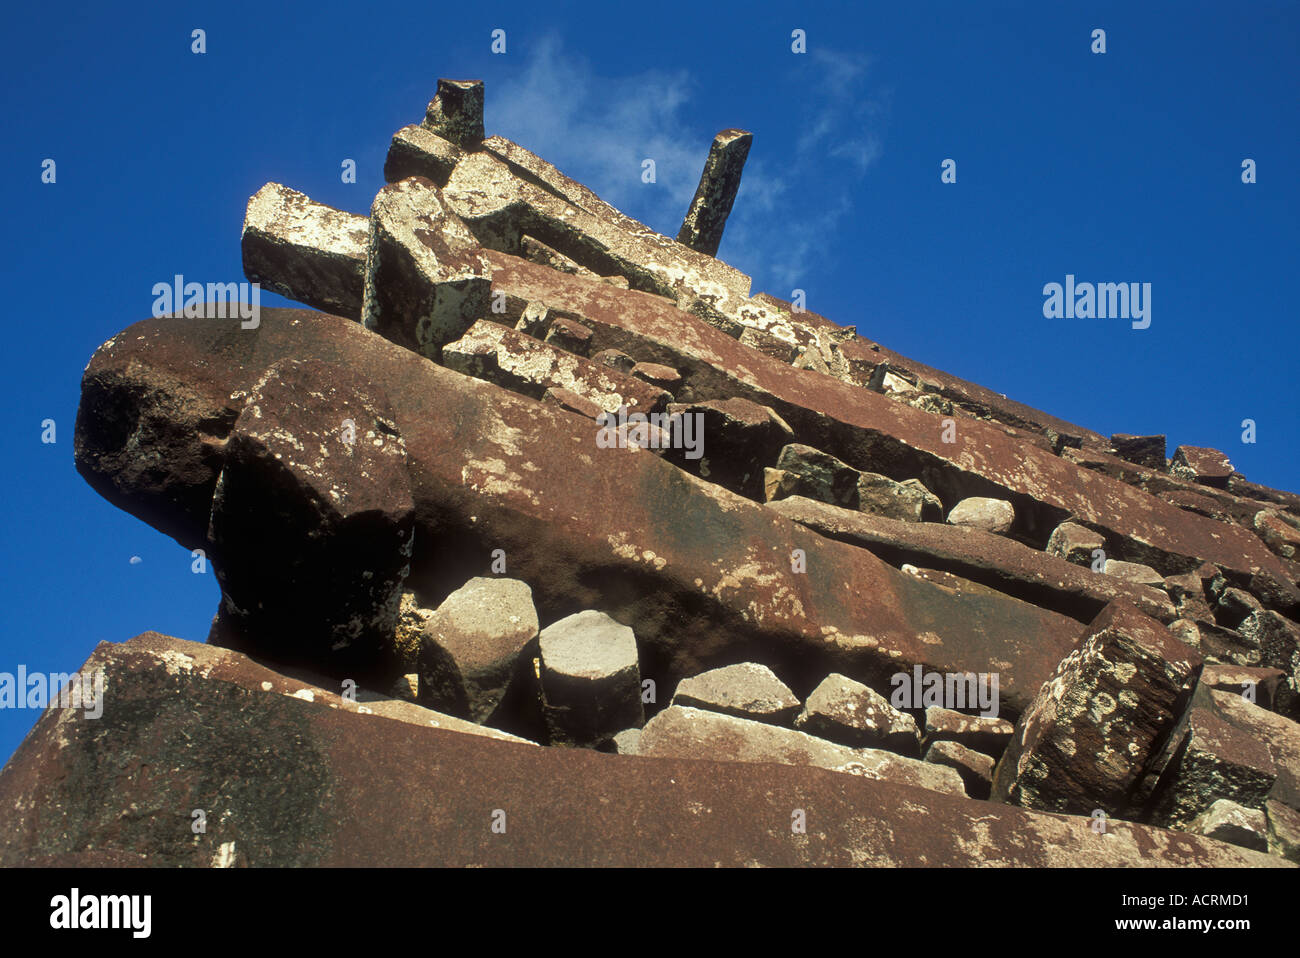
(798, 183)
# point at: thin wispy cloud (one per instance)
(798, 185)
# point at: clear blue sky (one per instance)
(1117, 167)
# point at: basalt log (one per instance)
(697, 571)
(877, 434)
(358, 789)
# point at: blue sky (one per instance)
(1119, 167)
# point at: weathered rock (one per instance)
(456, 112)
(411, 620)
(1086, 739)
(530, 367)
(679, 732)
(615, 359)
(982, 557)
(418, 151)
(987, 734)
(975, 768)
(1278, 641)
(312, 521)
(426, 282)
(1258, 685)
(1279, 736)
(802, 470)
(657, 374)
(1148, 451)
(477, 645)
(989, 515)
(1212, 759)
(1234, 606)
(702, 228)
(1199, 464)
(1074, 543)
(1134, 572)
(1229, 822)
(591, 682)
(501, 207)
(873, 433)
(353, 789)
(747, 690)
(850, 713)
(535, 251)
(1280, 533)
(742, 437)
(1283, 830)
(1197, 503)
(627, 742)
(470, 446)
(569, 335)
(304, 250)
(569, 400)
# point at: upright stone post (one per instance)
(702, 228)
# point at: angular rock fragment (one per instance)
(569, 400)
(456, 112)
(411, 620)
(1074, 543)
(305, 251)
(1278, 641)
(850, 713)
(535, 251)
(569, 335)
(1234, 606)
(657, 374)
(679, 732)
(591, 681)
(1257, 685)
(1281, 533)
(1134, 572)
(747, 690)
(1280, 737)
(1283, 830)
(527, 366)
(425, 280)
(989, 515)
(312, 521)
(804, 471)
(477, 649)
(1086, 739)
(975, 768)
(418, 151)
(987, 734)
(1229, 822)
(1212, 760)
(615, 359)
(1209, 467)
(741, 438)
(627, 742)
(1148, 451)
(981, 557)
(702, 228)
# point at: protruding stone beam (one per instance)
(426, 281)
(354, 789)
(702, 228)
(876, 434)
(698, 572)
(456, 112)
(417, 151)
(305, 251)
(501, 207)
